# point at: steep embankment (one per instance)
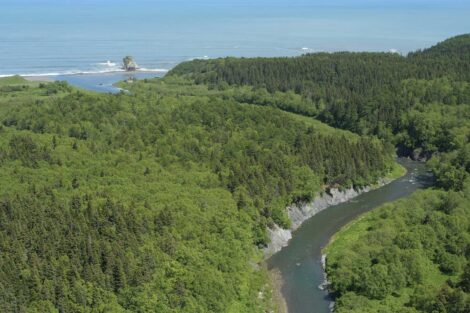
(300, 262)
(301, 212)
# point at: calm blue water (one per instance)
(72, 36)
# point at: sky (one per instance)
(258, 2)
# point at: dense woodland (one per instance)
(413, 255)
(158, 200)
(367, 93)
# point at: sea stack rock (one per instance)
(129, 64)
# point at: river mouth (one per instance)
(99, 82)
(300, 263)
(105, 83)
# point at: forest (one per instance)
(367, 93)
(408, 256)
(418, 103)
(157, 200)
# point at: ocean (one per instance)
(64, 37)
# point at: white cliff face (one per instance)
(279, 239)
(299, 213)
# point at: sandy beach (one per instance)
(39, 78)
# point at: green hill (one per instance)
(367, 93)
(13, 80)
(458, 46)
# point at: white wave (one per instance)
(306, 49)
(108, 63)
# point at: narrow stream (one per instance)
(300, 262)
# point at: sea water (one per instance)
(63, 37)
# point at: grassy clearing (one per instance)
(397, 171)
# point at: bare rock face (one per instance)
(300, 212)
(420, 155)
(129, 64)
(279, 239)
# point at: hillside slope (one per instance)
(362, 92)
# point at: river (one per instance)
(299, 264)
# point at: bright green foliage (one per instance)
(399, 258)
(420, 103)
(361, 92)
(155, 201)
(408, 256)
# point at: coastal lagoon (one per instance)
(103, 82)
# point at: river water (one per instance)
(300, 262)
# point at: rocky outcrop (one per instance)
(279, 237)
(129, 64)
(420, 155)
(299, 213)
(417, 154)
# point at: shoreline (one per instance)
(44, 79)
(300, 213)
(53, 77)
(97, 82)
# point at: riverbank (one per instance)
(299, 213)
(393, 249)
(342, 240)
(300, 262)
